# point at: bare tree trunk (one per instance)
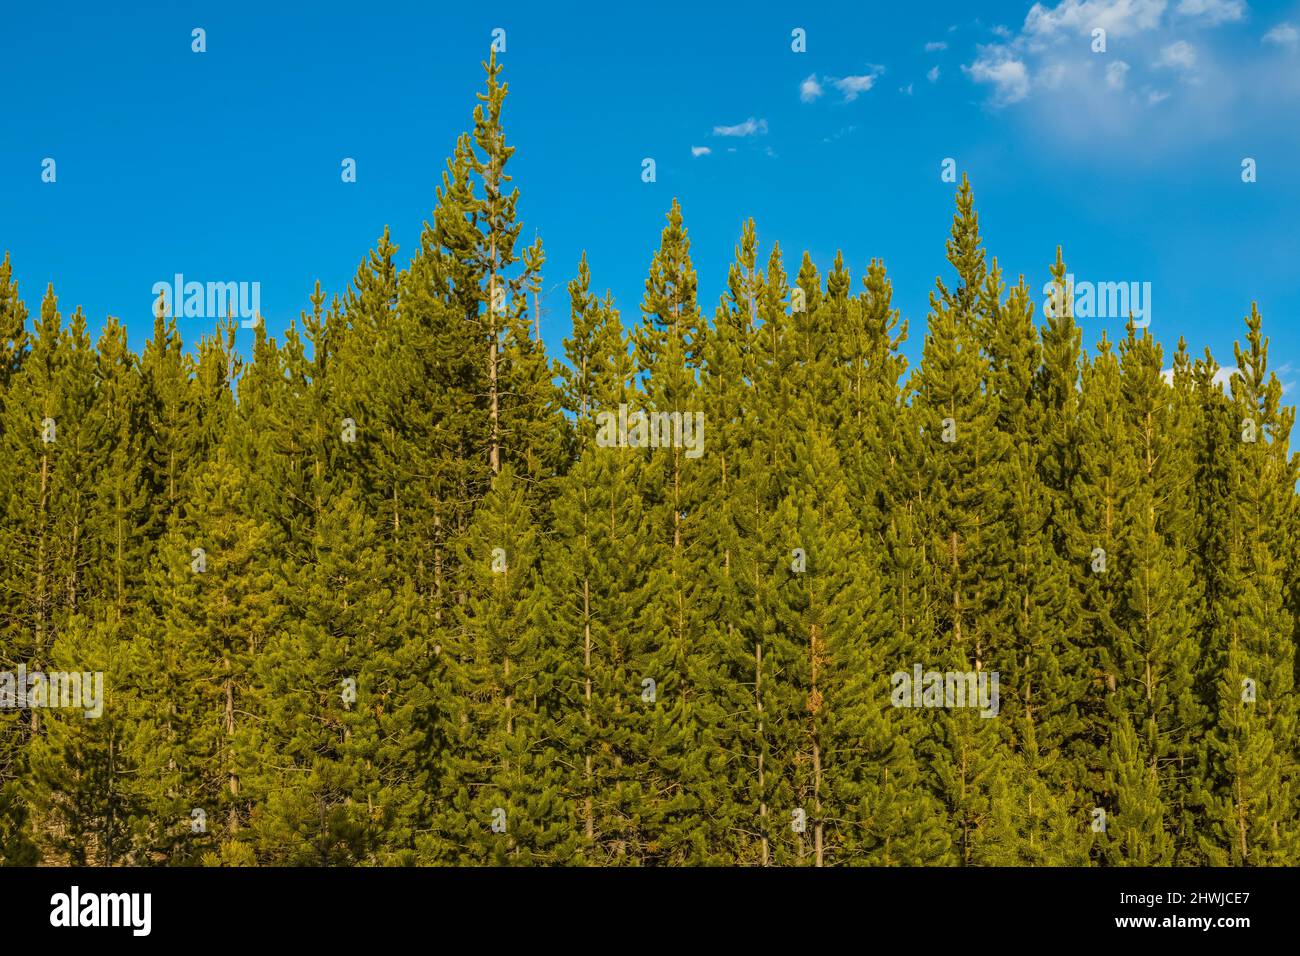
(230, 734)
(586, 663)
(758, 698)
(41, 598)
(818, 834)
(495, 454)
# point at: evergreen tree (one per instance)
(503, 793)
(961, 502)
(1155, 652)
(213, 577)
(1250, 749)
(13, 327)
(592, 570)
(675, 772)
(333, 769)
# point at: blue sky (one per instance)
(225, 165)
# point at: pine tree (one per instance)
(1250, 749)
(333, 768)
(33, 590)
(1042, 665)
(13, 327)
(732, 503)
(592, 572)
(1136, 833)
(1092, 533)
(845, 762)
(503, 794)
(675, 774)
(1156, 653)
(213, 576)
(960, 502)
(15, 846)
(86, 765)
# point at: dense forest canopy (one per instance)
(404, 589)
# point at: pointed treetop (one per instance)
(964, 252)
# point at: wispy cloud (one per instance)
(810, 89)
(1051, 76)
(751, 127)
(698, 151)
(1119, 18)
(1284, 34)
(1177, 56)
(936, 46)
(839, 135)
(1054, 50)
(1213, 12)
(851, 87)
(933, 75)
(1008, 75)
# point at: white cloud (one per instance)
(1284, 34)
(1177, 56)
(1213, 12)
(1009, 77)
(1051, 76)
(933, 75)
(698, 151)
(751, 127)
(810, 89)
(853, 86)
(906, 90)
(1017, 65)
(936, 46)
(1211, 86)
(1117, 17)
(1205, 89)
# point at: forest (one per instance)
(403, 589)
